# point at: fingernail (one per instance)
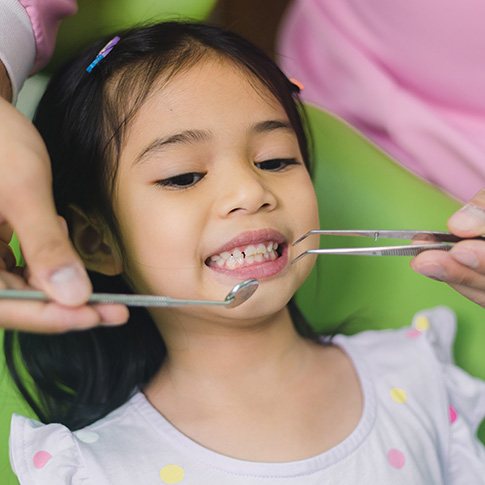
(466, 258)
(468, 218)
(69, 285)
(432, 271)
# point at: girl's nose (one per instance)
(245, 192)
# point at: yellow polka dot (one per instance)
(399, 395)
(172, 474)
(421, 323)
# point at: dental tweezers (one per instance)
(443, 241)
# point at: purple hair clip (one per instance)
(103, 53)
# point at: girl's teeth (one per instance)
(231, 263)
(261, 248)
(250, 251)
(246, 256)
(238, 256)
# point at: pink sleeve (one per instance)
(45, 16)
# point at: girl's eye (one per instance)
(277, 164)
(182, 181)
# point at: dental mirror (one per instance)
(239, 294)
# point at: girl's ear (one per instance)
(94, 244)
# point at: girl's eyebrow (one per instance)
(184, 137)
(271, 125)
(194, 136)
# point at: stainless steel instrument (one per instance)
(443, 241)
(239, 294)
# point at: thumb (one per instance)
(469, 221)
(52, 261)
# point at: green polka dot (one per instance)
(172, 474)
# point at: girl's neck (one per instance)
(233, 359)
(258, 384)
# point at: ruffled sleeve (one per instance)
(45, 454)
(466, 399)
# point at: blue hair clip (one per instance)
(103, 53)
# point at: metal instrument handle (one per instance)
(125, 299)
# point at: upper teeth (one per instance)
(246, 255)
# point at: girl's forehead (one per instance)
(213, 95)
(217, 99)
(214, 77)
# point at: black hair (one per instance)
(79, 377)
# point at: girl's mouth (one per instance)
(260, 260)
(246, 255)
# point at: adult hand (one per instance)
(27, 206)
(463, 268)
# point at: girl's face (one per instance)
(212, 190)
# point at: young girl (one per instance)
(181, 167)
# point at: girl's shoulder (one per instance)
(53, 454)
(430, 336)
(418, 358)
(407, 364)
(417, 392)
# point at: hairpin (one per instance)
(298, 85)
(103, 53)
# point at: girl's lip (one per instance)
(251, 237)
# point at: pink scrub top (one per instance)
(408, 74)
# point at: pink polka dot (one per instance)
(453, 414)
(41, 458)
(413, 333)
(396, 458)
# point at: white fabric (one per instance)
(17, 44)
(405, 435)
